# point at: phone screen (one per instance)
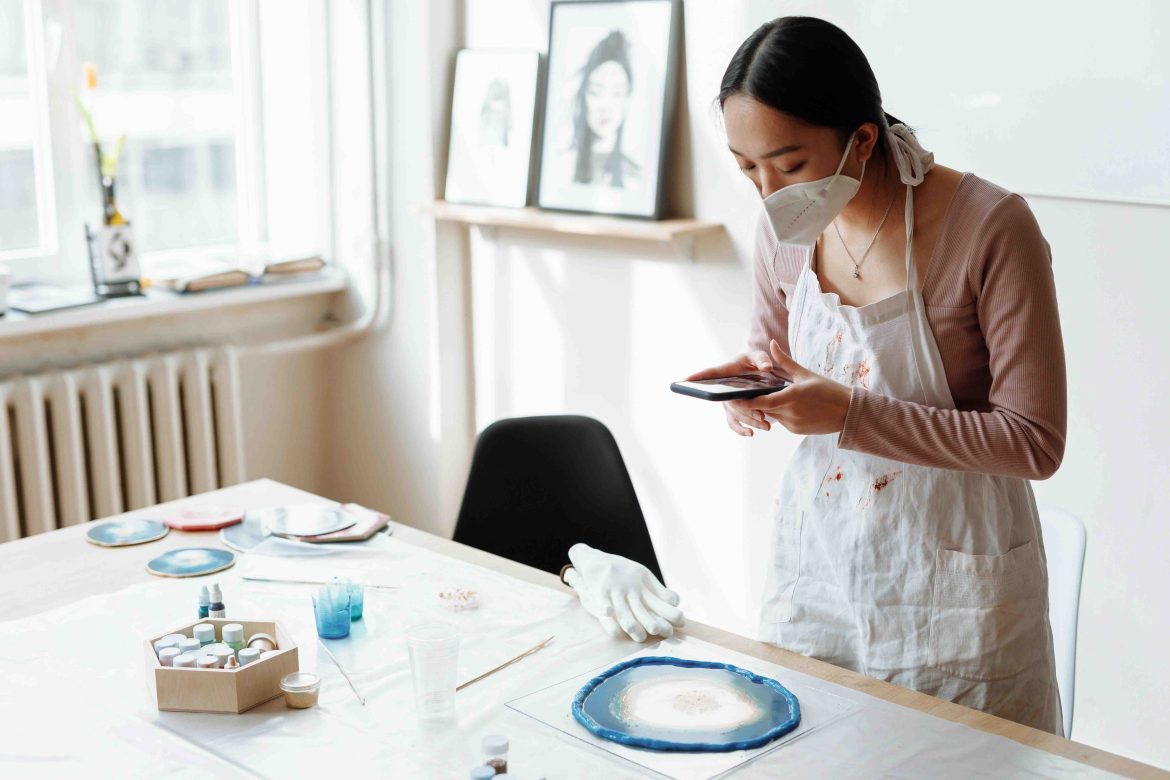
(763, 381)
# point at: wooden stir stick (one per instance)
(506, 664)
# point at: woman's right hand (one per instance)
(742, 421)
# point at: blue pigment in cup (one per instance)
(332, 622)
(357, 600)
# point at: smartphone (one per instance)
(729, 388)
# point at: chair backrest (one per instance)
(1064, 546)
(538, 485)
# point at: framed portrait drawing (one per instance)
(493, 108)
(609, 101)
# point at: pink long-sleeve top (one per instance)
(991, 304)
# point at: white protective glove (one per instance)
(622, 594)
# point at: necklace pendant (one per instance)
(856, 273)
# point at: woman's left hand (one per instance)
(812, 404)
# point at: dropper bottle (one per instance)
(204, 602)
(216, 609)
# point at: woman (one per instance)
(599, 115)
(927, 373)
(928, 378)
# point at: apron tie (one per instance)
(912, 160)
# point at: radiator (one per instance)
(97, 440)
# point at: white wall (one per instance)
(601, 328)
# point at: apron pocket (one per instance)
(987, 613)
(784, 571)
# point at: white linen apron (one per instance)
(928, 578)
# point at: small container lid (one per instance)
(167, 654)
(184, 659)
(247, 655)
(189, 643)
(495, 744)
(300, 681)
(165, 642)
(483, 772)
(203, 631)
(233, 632)
(262, 637)
(207, 662)
(222, 652)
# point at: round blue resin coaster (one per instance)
(676, 704)
(122, 533)
(191, 562)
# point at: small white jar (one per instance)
(248, 655)
(167, 655)
(184, 661)
(207, 662)
(205, 633)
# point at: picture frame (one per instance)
(493, 117)
(609, 103)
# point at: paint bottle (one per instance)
(164, 643)
(222, 653)
(190, 645)
(248, 655)
(183, 660)
(204, 603)
(495, 752)
(216, 608)
(482, 772)
(232, 663)
(233, 636)
(167, 655)
(207, 662)
(205, 633)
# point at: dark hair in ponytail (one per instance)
(811, 69)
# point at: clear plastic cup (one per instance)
(434, 655)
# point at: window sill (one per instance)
(164, 303)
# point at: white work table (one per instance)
(74, 699)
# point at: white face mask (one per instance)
(800, 212)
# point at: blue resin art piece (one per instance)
(122, 533)
(676, 704)
(191, 562)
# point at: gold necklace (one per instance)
(856, 264)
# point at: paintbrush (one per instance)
(506, 664)
(343, 674)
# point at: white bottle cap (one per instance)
(176, 638)
(216, 596)
(222, 653)
(183, 660)
(205, 633)
(495, 744)
(248, 655)
(207, 662)
(166, 656)
(189, 645)
(165, 642)
(233, 632)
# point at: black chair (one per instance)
(538, 485)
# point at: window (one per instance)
(25, 222)
(214, 131)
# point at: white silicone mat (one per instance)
(818, 708)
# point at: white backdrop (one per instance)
(1045, 98)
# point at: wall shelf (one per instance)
(678, 232)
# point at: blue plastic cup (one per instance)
(357, 600)
(332, 623)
